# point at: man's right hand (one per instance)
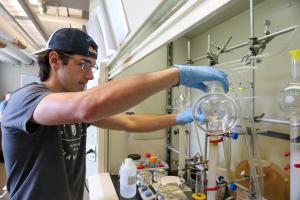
(195, 76)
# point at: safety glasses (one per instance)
(85, 65)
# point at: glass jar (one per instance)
(144, 178)
(158, 174)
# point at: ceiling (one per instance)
(26, 25)
(51, 15)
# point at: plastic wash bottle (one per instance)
(128, 173)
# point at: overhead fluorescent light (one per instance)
(7, 58)
(17, 54)
(17, 11)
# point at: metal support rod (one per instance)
(169, 147)
(172, 149)
(169, 104)
(262, 38)
(188, 50)
(241, 179)
(208, 43)
(224, 45)
(277, 33)
(251, 20)
(205, 147)
(274, 121)
(188, 96)
(247, 43)
(252, 186)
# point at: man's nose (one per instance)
(89, 75)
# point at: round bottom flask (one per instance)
(289, 99)
(218, 110)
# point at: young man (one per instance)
(44, 125)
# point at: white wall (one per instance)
(10, 79)
(121, 143)
(271, 75)
(10, 76)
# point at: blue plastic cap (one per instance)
(144, 188)
(148, 193)
(234, 136)
(232, 187)
(221, 178)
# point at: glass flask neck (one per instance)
(214, 87)
(295, 69)
(183, 99)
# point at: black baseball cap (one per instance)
(70, 40)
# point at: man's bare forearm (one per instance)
(137, 123)
(119, 95)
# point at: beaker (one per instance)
(289, 97)
(219, 110)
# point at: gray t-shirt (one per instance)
(42, 162)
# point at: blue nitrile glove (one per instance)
(194, 76)
(199, 116)
(187, 117)
(184, 117)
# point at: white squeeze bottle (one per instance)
(128, 179)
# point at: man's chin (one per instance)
(81, 87)
(78, 89)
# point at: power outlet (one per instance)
(91, 153)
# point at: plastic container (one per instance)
(128, 173)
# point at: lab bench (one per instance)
(105, 186)
(116, 182)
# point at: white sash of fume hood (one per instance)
(186, 18)
(108, 27)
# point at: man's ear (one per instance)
(53, 60)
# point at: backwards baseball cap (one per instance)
(70, 40)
